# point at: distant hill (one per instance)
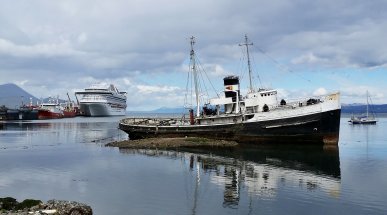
(163, 110)
(361, 108)
(170, 110)
(12, 96)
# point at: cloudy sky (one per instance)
(300, 47)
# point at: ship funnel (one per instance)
(231, 87)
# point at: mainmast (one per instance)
(247, 44)
(195, 76)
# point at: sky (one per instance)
(300, 47)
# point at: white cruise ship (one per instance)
(102, 100)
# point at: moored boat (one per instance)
(28, 113)
(257, 117)
(69, 113)
(69, 109)
(367, 118)
(102, 100)
(50, 110)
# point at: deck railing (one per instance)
(156, 121)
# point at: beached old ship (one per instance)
(257, 117)
(102, 100)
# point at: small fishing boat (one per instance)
(367, 118)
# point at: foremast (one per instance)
(195, 76)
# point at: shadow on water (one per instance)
(24, 125)
(261, 169)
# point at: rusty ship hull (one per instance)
(318, 128)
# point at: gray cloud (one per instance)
(68, 42)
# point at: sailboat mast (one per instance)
(247, 44)
(367, 104)
(195, 76)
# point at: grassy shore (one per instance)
(170, 143)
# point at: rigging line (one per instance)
(205, 91)
(244, 65)
(187, 90)
(281, 66)
(202, 80)
(191, 88)
(247, 44)
(255, 65)
(203, 83)
(372, 107)
(208, 78)
(241, 65)
(258, 76)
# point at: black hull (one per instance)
(371, 122)
(22, 114)
(319, 128)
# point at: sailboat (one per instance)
(257, 117)
(367, 118)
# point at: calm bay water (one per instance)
(66, 159)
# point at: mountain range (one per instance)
(13, 96)
(361, 108)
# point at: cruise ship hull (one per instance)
(318, 128)
(100, 109)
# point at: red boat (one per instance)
(69, 113)
(69, 109)
(49, 111)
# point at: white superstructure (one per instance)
(102, 100)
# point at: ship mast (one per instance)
(195, 76)
(247, 44)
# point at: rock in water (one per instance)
(9, 206)
(69, 207)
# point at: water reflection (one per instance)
(62, 159)
(259, 172)
(25, 134)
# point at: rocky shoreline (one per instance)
(10, 206)
(172, 143)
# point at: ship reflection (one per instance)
(259, 172)
(56, 131)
